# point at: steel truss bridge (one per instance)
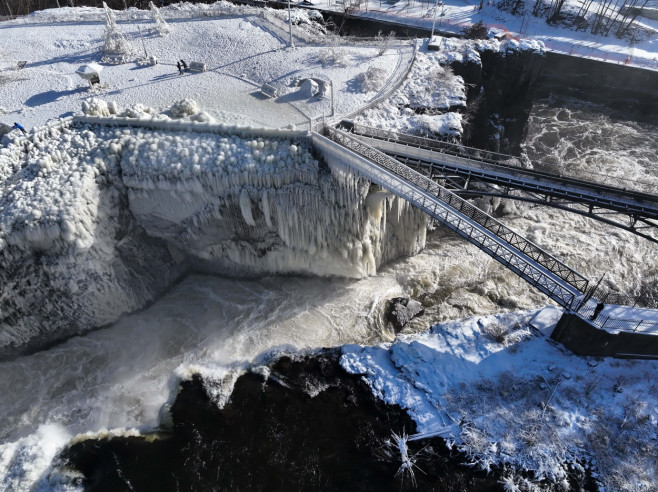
(473, 172)
(535, 265)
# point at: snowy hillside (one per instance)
(499, 390)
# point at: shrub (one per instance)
(476, 31)
(184, 107)
(372, 80)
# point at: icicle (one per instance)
(266, 208)
(245, 208)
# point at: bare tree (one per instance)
(630, 12)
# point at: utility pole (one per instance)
(292, 45)
(436, 7)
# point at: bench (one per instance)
(197, 67)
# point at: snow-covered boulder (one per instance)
(98, 107)
(308, 88)
(184, 107)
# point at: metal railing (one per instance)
(507, 170)
(534, 265)
(445, 145)
(612, 323)
(626, 300)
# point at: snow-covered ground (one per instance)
(453, 16)
(500, 390)
(242, 48)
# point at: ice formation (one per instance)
(98, 219)
(161, 25)
(116, 47)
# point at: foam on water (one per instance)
(590, 141)
(118, 377)
(121, 376)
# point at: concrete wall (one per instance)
(583, 338)
(604, 77)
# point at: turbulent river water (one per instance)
(119, 377)
(595, 142)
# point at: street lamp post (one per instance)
(292, 45)
(436, 7)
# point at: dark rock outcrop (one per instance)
(401, 310)
(308, 426)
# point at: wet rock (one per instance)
(400, 311)
(304, 424)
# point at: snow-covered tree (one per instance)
(116, 47)
(160, 24)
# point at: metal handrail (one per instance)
(489, 161)
(587, 311)
(517, 253)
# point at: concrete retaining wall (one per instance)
(583, 338)
(595, 75)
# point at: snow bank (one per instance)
(503, 393)
(428, 101)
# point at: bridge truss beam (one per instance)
(468, 185)
(474, 171)
(526, 259)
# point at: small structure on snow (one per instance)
(269, 90)
(197, 67)
(434, 44)
(91, 73)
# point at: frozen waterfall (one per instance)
(97, 220)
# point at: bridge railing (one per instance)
(613, 323)
(511, 166)
(445, 145)
(471, 222)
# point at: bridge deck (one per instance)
(594, 199)
(526, 259)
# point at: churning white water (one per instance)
(120, 376)
(590, 141)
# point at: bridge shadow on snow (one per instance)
(51, 96)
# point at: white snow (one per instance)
(453, 16)
(430, 85)
(242, 47)
(523, 401)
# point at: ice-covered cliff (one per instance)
(96, 220)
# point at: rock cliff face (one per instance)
(501, 89)
(316, 428)
(97, 221)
